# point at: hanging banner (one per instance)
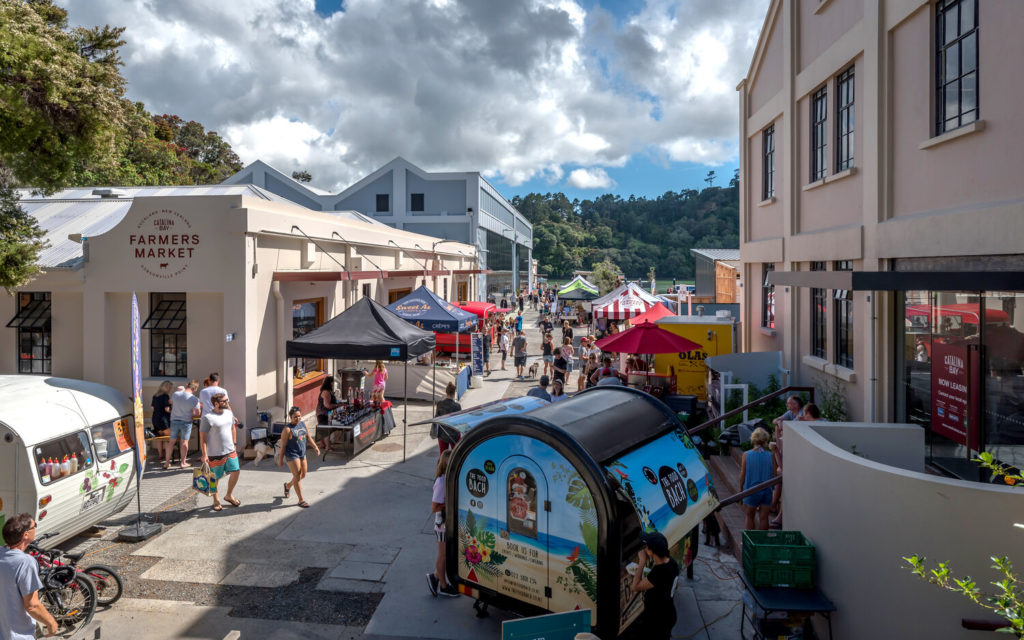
(140, 425)
(476, 343)
(954, 369)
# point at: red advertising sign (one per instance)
(953, 373)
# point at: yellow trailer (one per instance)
(717, 335)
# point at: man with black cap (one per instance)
(659, 587)
(541, 390)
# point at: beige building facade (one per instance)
(224, 277)
(882, 220)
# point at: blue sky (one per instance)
(585, 97)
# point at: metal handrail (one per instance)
(729, 414)
(757, 488)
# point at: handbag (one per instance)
(204, 481)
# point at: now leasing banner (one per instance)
(955, 372)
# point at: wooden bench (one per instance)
(156, 443)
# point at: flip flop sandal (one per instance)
(304, 504)
(287, 492)
(217, 507)
(234, 503)
(167, 465)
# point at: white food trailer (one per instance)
(66, 453)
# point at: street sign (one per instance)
(553, 626)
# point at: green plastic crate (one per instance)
(778, 559)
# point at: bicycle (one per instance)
(109, 586)
(69, 596)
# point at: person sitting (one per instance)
(541, 390)
(606, 374)
(557, 391)
(794, 408)
(810, 413)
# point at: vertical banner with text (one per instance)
(955, 374)
(476, 342)
(140, 425)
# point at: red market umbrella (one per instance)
(652, 315)
(647, 338)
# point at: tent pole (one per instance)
(405, 409)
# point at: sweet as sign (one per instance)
(164, 244)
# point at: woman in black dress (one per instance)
(161, 405)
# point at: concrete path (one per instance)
(368, 531)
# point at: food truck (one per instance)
(66, 452)
(446, 342)
(549, 504)
(717, 335)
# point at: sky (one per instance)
(585, 97)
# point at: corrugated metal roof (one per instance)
(717, 254)
(77, 210)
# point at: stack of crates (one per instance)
(778, 559)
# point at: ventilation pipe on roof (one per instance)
(109, 193)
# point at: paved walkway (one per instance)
(368, 532)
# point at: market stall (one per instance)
(648, 339)
(550, 504)
(366, 331)
(630, 301)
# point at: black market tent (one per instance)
(365, 331)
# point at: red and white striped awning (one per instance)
(624, 306)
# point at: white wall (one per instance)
(864, 516)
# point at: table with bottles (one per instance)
(360, 423)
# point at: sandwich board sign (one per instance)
(553, 626)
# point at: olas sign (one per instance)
(164, 244)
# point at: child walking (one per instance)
(437, 581)
(293, 451)
(380, 380)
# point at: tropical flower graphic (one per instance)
(575, 554)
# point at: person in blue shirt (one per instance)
(757, 466)
(519, 321)
(20, 584)
(541, 390)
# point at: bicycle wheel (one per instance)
(73, 605)
(108, 584)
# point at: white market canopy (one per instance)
(625, 302)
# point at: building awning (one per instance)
(335, 276)
(34, 315)
(462, 272)
(901, 280)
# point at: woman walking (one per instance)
(293, 451)
(547, 354)
(380, 381)
(437, 581)
(756, 467)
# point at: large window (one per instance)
(306, 316)
(768, 299)
(33, 324)
(956, 64)
(844, 120)
(819, 319)
(53, 459)
(844, 320)
(383, 203)
(168, 339)
(768, 163)
(416, 202)
(819, 134)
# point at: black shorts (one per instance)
(520, 361)
(504, 354)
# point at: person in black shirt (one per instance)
(561, 366)
(546, 325)
(547, 353)
(658, 586)
(447, 405)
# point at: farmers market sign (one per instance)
(164, 244)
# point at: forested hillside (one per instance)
(634, 233)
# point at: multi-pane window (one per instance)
(416, 202)
(844, 320)
(168, 338)
(768, 299)
(768, 163)
(819, 309)
(844, 120)
(956, 64)
(819, 134)
(307, 315)
(383, 202)
(33, 324)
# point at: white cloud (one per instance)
(590, 179)
(517, 89)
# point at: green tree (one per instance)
(605, 274)
(60, 92)
(21, 239)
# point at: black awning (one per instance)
(34, 315)
(167, 315)
(901, 280)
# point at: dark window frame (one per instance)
(383, 204)
(168, 334)
(768, 162)
(421, 204)
(844, 119)
(819, 134)
(843, 329)
(819, 317)
(768, 299)
(33, 324)
(949, 81)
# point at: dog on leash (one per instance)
(532, 371)
(263, 450)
